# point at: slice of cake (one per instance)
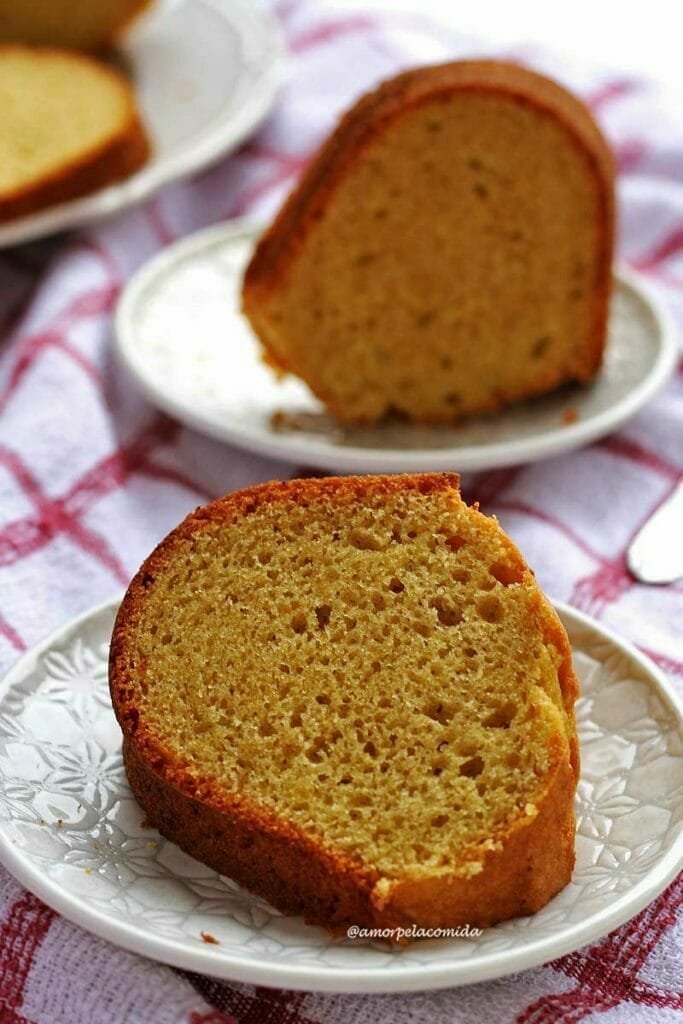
(82, 24)
(351, 696)
(448, 251)
(69, 125)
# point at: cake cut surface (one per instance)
(70, 126)
(447, 251)
(351, 696)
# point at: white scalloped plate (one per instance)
(205, 73)
(70, 830)
(181, 336)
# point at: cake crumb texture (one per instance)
(351, 695)
(70, 127)
(447, 251)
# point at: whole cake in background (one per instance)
(448, 251)
(351, 696)
(70, 126)
(80, 24)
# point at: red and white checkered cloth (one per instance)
(91, 477)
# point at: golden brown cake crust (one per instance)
(532, 861)
(116, 159)
(368, 119)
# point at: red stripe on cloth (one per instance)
(625, 448)
(607, 973)
(28, 354)
(263, 1006)
(665, 662)
(61, 515)
(670, 245)
(535, 513)
(594, 592)
(113, 470)
(629, 154)
(212, 1017)
(286, 169)
(157, 219)
(21, 934)
(174, 476)
(487, 487)
(93, 303)
(611, 91)
(10, 634)
(331, 30)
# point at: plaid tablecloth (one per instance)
(91, 477)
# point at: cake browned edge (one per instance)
(115, 159)
(367, 119)
(275, 858)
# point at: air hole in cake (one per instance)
(439, 820)
(455, 542)
(425, 318)
(322, 698)
(377, 600)
(506, 574)
(296, 720)
(316, 750)
(460, 576)
(322, 614)
(470, 769)
(500, 717)
(299, 623)
(486, 583)
(490, 608)
(396, 586)
(346, 780)
(266, 729)
(439, 712)
(370, 748)
(540, 346)
(447, 613)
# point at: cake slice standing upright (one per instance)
(448, 251)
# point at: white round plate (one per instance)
(181, 335)
(205, 74)
(71, 831)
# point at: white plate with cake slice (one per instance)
(205, 74)
(72, 832)
(181, 335)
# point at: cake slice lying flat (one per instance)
(69, 127)
(351, 696)
(448, 250)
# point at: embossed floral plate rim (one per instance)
(391, 975)
(202, 365)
